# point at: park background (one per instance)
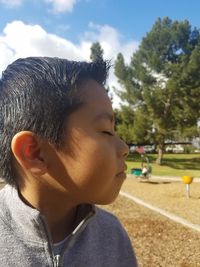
(154, 84)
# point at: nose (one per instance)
(123, 149)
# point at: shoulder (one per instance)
(107, 219)
(109, 225)
(3, 197)
(5, 201)
(113, 238)
(5, 214)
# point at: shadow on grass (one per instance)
(172, 162)
(188, 164)
(153, 182)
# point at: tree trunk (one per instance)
(160, 154)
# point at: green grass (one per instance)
(172, 164)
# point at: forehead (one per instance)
(95, 98)
(86, 118)
(96, 107)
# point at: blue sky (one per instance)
(131, 18)
(67, 28)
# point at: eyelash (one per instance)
(108, 133)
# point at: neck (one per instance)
(61, 224)
(59, 213)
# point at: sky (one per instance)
(67, 28)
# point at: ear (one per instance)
(27, 149)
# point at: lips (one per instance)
(121, 175)
(123, 169)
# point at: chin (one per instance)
(107, 200)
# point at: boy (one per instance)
(59, 155)
(145, 171)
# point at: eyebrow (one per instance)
(106, 116)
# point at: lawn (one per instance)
(173, 164)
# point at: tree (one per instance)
(96, 51)
(124, 124)
(162, 81)
(97, 54)
(133, 128)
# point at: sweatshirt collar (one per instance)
(28, 223)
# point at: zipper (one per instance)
(57, 261)
(76, 231)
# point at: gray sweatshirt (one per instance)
(97, 240)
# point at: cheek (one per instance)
(93, 159)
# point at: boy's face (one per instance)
(93, 157)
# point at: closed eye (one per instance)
(108, 133)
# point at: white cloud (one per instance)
(6, 56)
(60, 6)
(32, 40)
(110, 41)
(11, 3)
(22, 40)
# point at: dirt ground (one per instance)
(167, 194)
(157, 240)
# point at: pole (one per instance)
(188, 190)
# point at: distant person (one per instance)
(59, 156)
(145, 171)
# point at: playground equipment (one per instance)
(187, 180)
(136, 171)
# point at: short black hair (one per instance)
(38, 94)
